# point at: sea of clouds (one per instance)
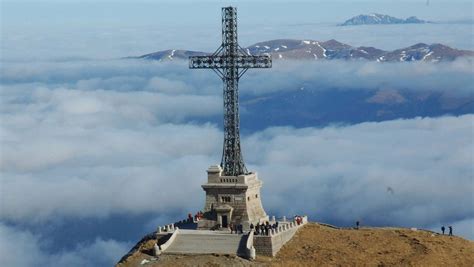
(106, 141)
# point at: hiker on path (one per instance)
(450, 230)
(442, 229)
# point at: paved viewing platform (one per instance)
(172, 240)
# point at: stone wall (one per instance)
(271, 244)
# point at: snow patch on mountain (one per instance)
(290, 49)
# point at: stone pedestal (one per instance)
(231, 199)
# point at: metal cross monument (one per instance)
(230, 62)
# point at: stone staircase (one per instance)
(207, 242)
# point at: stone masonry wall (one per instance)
(271, 244)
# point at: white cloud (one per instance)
(454, 77)
(335, 173)
(21, 248)
(174, 79)
(168, 86)
(343, 173)
(72, 146)
(18, 248)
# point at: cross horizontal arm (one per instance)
(218, 62)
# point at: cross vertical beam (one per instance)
(230, 62)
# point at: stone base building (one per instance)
(231, 200)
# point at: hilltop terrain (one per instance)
(321, 245)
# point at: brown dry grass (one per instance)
(318, 245)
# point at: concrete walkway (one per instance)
(207, 242)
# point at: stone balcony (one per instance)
(216, 179)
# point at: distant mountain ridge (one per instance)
(375, 18)
(282, 49)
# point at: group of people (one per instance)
(263, 228)
(450, 229)
(198, 216)
(237, 229)
(298, 219)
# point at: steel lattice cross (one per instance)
(230, 62)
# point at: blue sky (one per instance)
(252, 11)
(66, 29)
